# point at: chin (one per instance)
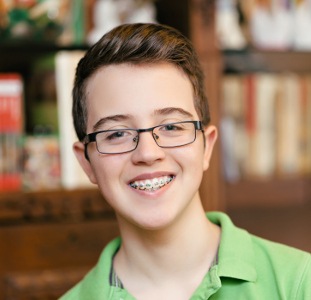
(155, 222)
(153, 225)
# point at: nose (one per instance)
(147, 151)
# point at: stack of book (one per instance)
(11, 129)
(266, 125)
(36, 146)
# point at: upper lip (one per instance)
(146, 176)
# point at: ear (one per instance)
(78, 149)
(210, 134)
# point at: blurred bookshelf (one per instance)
(265, 117)
(283, 67)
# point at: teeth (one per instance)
(148, 185)
(141, 186)
(151, 184)
(155, 183)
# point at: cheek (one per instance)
(191, 163)
(107, 185)
(191, 159)
(107, 170)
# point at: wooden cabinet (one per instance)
(49, 239)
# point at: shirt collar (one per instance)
(236, 255)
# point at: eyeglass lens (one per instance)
(166, 136)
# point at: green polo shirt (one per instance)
(248, 268)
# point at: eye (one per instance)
(117, 134)
(172, 127)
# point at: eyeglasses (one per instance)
(117, 141)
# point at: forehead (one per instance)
(138, 91)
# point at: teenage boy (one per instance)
(142, 119)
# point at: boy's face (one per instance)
(127, 96)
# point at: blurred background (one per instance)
(256, 55)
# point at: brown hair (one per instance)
(138, 44)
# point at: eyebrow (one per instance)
(161, 112)
(173, 110)
(115, 118)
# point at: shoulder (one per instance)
(287, 268)
(72, 294)
(270, 268)
(281, 259)
(260, 248)
(278, 253)
(95, 284)
(279, 256)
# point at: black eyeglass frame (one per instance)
(91, 137)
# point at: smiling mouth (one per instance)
(152, 184)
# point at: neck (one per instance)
(190, 243)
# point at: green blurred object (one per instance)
(42, 95)
(45, 21)
(78, 21)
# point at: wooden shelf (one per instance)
(269, 193)
(254, 60)
(17, 57)
(53, 205)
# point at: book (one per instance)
(41, 163)
(266, 90)
(250, 123)
(42, 113)
(72, 175)
(233, 131)
(305, 125)
(11, 129)
(288, 126)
